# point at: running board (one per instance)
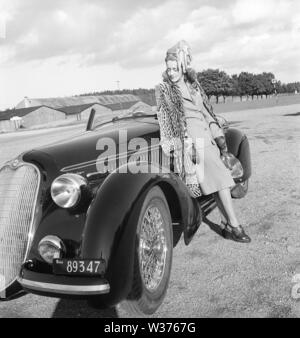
(207, 206)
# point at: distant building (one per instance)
(82, 111)
(60, 102)
(17, 120)
(38, 112)
(31, 116)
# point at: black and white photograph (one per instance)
(150, 161)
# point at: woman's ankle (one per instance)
(233, 223)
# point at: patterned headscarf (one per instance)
(181, 52)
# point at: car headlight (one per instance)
(50, 248)
(66, 190)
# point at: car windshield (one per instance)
(97, 121)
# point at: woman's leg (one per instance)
(226, 206)
(222, 211)
(224, 198)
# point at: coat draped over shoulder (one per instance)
(173, 131)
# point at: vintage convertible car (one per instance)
(70, 229)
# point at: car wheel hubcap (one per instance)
(152, 248)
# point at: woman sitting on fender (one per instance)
(184, 113)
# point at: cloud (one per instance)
(70, 27)
(134, 35)
(256, 10)
(247, 12)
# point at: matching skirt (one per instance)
(212, 174)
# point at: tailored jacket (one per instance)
(173, 131)
(193, 102)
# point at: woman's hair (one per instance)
(181, 53)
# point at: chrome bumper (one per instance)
(80, 290)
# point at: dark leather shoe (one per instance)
(236, 233)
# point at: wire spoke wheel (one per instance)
(153, 255)
(152, 248)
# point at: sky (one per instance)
(54, 48)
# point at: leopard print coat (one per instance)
(173, 129)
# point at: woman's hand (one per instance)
(221, 143)
(226, 160)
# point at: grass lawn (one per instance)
(282, 100)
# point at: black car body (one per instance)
(106, 226)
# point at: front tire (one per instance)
(153, 256)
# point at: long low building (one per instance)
(11, 120)
(59, 102)
(82, 112)
(41, 112)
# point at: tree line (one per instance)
(219, 84)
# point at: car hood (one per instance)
(79, 153)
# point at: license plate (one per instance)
(81, 267)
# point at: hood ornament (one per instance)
(14, 164)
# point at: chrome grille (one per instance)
(19, 185)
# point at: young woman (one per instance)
(185, 114)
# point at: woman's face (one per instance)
(175, 74)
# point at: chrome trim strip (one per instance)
(34, 210)
(120, 156)
(65, 289)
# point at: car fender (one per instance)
(110, 229)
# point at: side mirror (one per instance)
(223, 123)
